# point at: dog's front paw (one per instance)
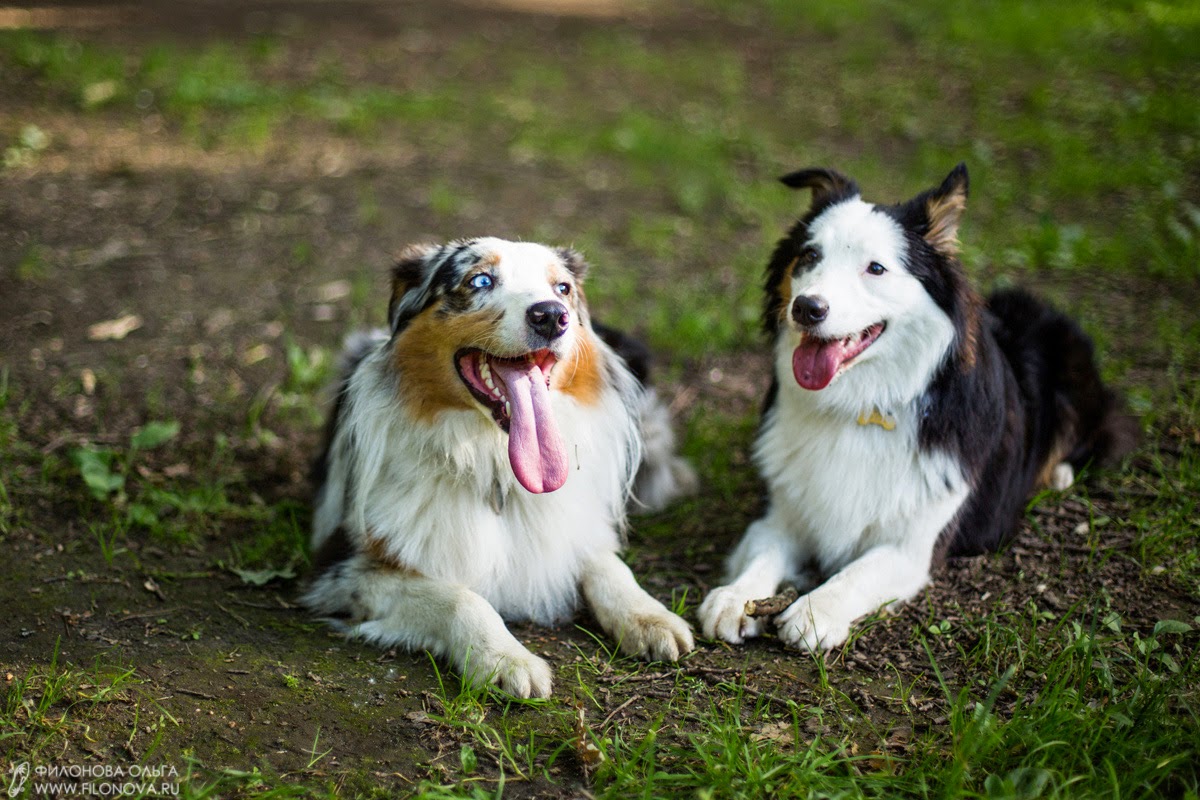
(655, 634)
(723, 616)
(813, 623)
(517, 672)
(1062, 477)
(528, 676)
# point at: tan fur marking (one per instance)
(970, 347)
(424, 358)
(1063, 444)
(377, 551)
(783, 291)
(944, 215)
(581, 376)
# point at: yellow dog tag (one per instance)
(876, 417)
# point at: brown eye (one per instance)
(875, 268)
(808, 256)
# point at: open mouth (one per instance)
(816, 362)
(484, 374)
(516, 390)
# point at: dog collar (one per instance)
(877, 417)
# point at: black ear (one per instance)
(944, 208)
(828, 186)
(408, 273)
(573, 261)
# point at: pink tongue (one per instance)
(815, 362)
(535, 448)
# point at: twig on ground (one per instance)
(238, 617)
(78, 438)
(773, 605)
(619, 709)
(160, 613)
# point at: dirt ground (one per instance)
(201, 246)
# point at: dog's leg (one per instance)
(765, 556)
(641, 625)
(887, 573)
(452, 621)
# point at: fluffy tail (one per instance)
(1076, 419)
(356, 348)
(663, 476)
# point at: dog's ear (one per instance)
(944, 208)
(827, 185)
(407, 274)
(573, 261)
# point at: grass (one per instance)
(1079, 122)
(1070, 705)
(50, 705)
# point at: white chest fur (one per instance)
(841, 487)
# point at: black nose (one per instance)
(550, 318)
(809, 309)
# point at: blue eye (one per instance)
(875, 268)
(480, 281)
(563, 289)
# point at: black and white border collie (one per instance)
(478, 463)
(908, 418)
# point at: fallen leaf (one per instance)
(154, 434)
(114, 329)
(98, 93)
(220, 319)
(774, 732)
(261, 577)
(588, 753)
(333, 291)
(256, 354)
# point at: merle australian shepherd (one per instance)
(478, 463)
(908, 419)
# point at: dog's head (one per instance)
(495, 326)
(855, 282)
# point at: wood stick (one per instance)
(770, 606)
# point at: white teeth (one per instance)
(485, 374)
(507, 408)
